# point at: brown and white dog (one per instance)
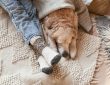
(61, 28)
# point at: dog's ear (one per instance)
(72, 47)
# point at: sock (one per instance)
(47, 69)
(51, 56)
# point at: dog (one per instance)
(61, 28)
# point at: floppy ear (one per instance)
(73, 48)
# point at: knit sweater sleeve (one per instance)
(45, 7)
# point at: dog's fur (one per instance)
(61, 29)
(100, 7)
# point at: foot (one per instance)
(38, 44)
(47, 70)
(53, 57)
(44, 66)
(56, 59)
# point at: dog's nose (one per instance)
(65, 54)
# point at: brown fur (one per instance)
(61, 29)
(100, 7)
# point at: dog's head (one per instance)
(62, 26)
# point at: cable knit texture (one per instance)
(102, 71)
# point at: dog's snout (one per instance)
(65, 54)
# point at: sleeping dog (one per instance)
(61, 23)
(61, 28)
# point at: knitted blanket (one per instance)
(19, 66)
(102, 72)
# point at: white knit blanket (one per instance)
(19, 66)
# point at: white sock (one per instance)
(49, 54)
(43, 63)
